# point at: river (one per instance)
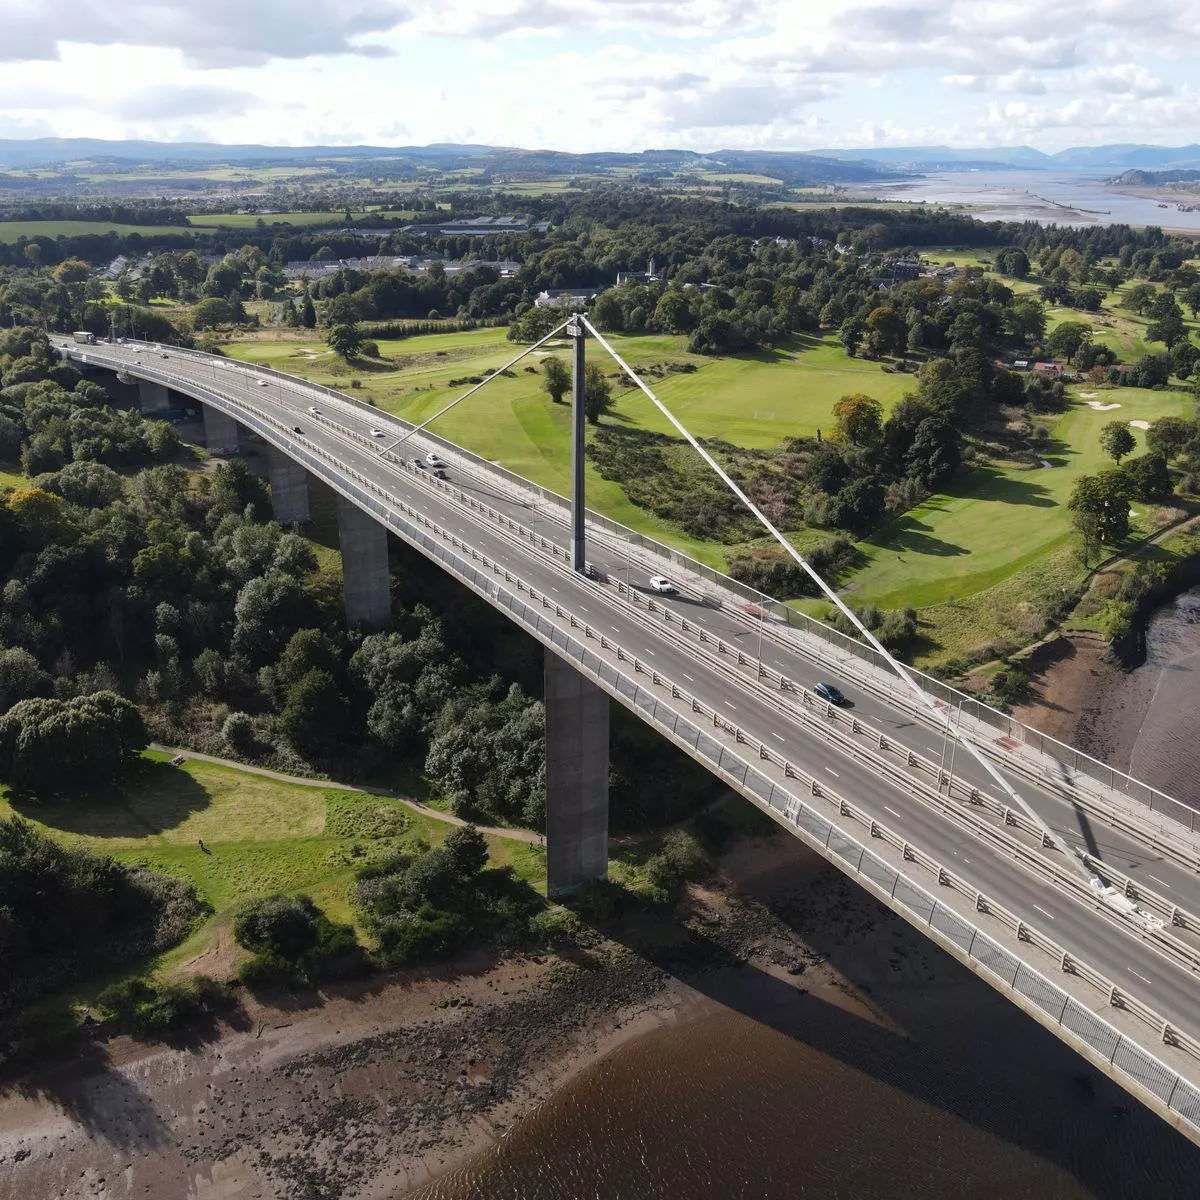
(916, 1081)
(1064, 198)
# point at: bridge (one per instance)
(880, 789)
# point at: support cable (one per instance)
(1072, 856)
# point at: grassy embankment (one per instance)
(10, 231)
(260, 836)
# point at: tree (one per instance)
(281, 925)
(345, 340)
(211, 313)
(308, 312)
(1192, 299)
(597, 393)
(1151, 370)
(50, 746)
(267, 612)
(467, 850)
(1069, 338)
(1168, 329)
(858, 419)
(608, 313)
(1168, 436)
(1100, 504)
(557, 381)
(885, 331)
(1026, 319)
(1148, 478)
(858, 506)
(72, 270)
(1139, 297)
(315, 717)
(1013, 261)
(851, 334)
(1117, 441)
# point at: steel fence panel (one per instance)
(709, 747)
(1139, 1064)
(951, 925)
(876, 870)
(844, 846)
(1186, 1102)
(994, 957)
(914, 898)
(1037, 988)
(1084, 1023)
(809, 821)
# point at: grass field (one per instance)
(10, 231)
(260, 836)
(753, 400)
(250, 220)
(995, 521)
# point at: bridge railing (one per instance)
(1034, 991)
(1004, 724)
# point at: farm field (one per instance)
(260, 836)
(250, 220)
(10, 231)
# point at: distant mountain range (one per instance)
(1077, 158)
(790, 167)
(834, 165)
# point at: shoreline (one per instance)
(379, 1088)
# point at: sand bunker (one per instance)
(1101, 407)
(1140, 424)
(1089, 395)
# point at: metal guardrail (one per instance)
(1142, 1071)
(972, 708)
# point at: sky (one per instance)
(585, 75)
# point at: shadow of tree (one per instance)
(153, 798)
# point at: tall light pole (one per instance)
(578, 505)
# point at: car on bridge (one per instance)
(419, 463)
(660, 583)
(312, 408)
(435, 460)
(378, 433)
(827, 691)
(262, 383)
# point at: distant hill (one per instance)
(789, 167)
(1138, 178)
(1079, 158)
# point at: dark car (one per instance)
(297, 429)
(828, 692)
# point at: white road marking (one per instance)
(1044, 912)
(733, 706)
(777, 735)
(833, 772)
(614, 629)
(892, 811)
(649, 651)
(1157, 880)
(688, 677)
(582, 609)
(554, 589)
(1141, 977)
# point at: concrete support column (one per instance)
(152, 397)
(365, 579)
(220, 431)
(576, 778)
(289, 488)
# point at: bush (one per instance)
(294, 943)
(148, 1009)
(238, 732)
(680, 859)
(1011, 684)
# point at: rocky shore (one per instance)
(375, 1089)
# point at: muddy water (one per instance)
(809, 1098)
(1166, 752)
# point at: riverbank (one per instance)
(1141, 720)
(780, 980)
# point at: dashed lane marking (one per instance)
(1141, 977)
(1044, 912)
(1157, 880)
(833, 772)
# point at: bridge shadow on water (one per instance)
(909, 1017)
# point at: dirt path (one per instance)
(519, 835)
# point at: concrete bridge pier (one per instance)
(366, 583)
(220, 430)
(289, 488)
(152, 397)
(576, 778)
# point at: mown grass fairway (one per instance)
(752, 400)
(995, 521)
(260, 835)
(251, 220)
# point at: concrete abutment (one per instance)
(220, 431)
(152, 397)
(576, 778)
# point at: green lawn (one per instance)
(996, 521)
(10, 231)
(260, 836)
(250, 220)
(752, 400)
